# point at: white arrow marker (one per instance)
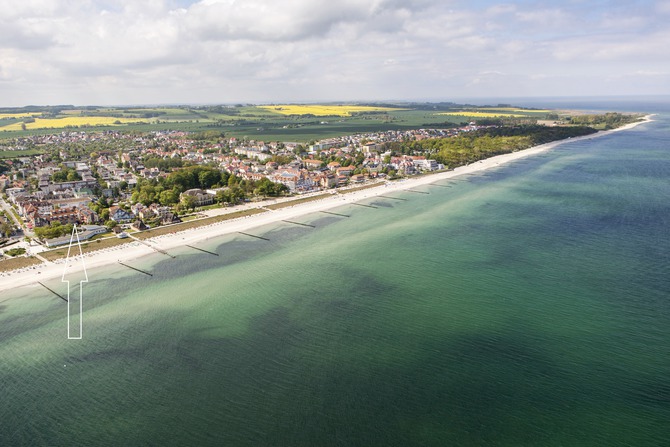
(74, 275)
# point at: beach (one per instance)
(134, 250)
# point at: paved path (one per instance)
(42, 258)
(8, 212)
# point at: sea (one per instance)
(527, 305)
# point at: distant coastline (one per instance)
(134, 250)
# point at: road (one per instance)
(8, 212)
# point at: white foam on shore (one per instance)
(45, 271)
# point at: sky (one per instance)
(127, 52)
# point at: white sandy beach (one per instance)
(135, 250)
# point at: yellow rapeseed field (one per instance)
(321, 110)
(58, 123)
(16, 115)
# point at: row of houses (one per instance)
(65, 215)
(411, 164)
(84, 233)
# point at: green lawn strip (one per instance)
(86, 247)
(17, 263)
(102, 236)
(99, 244)
(189, 218)
(359, 188)
(196, 223)
(276, 206)
(214, 206)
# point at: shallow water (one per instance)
(528, 305)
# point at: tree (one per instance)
(66, 175)
(232, 195)
(147, 195)
(6, 229)
(169, 197)
(53, 230)
(209, 178)
(188, 201)
(265, 187)
(236, 194)
(221, 196)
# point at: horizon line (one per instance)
(455, 100)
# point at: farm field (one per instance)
(290, 122)
(16, 115)
(21, 153)
(325, 110)
(478, 114)
(68, 122)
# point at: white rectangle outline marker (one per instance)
(81, 287)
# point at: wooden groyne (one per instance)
(394, 198)
(136, 269)
(253, 235)
(367, 206)
(156, 249)
(335, 214)
(298, 223)
(202, 250)
(52, 291)
(418, 192)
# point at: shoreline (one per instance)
(29, 276)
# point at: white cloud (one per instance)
(233, 50)
(286, 20)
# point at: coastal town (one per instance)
(113, 183)
(98, 180)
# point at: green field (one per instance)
(16, 154)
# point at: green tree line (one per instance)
(166, 191)
(484, 143)
(53, 230)
(66, 175)
(610, 120)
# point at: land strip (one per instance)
(172, 236)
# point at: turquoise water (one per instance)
(524, 306)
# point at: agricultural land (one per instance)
(277, 122)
